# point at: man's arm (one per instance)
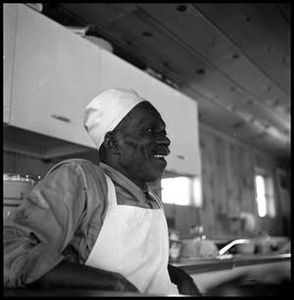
(184, 282)
(37, 234)
(73, 275)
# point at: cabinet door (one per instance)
(117, 73)
(180, 114)
(9, 34)
(56, 73)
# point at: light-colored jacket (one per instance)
(60, 219)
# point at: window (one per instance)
(182, 190)
(264, 195)
(260, 195)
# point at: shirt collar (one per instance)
(124, 182)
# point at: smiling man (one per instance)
(99, 226)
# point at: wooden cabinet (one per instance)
(55, 74)
(10, 21)
(51, 74)
(115, 72)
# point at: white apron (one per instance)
(133, 241)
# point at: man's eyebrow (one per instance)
(148, 121)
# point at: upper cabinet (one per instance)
(51, 74)
(9, 36)
(55, 74)
(116, 72)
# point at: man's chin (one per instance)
(156, 176)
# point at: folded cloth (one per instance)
(199, 249)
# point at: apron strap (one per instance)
(156, 198)
(111, 191)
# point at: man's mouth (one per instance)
(160, 156)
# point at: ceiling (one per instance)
(232, 58)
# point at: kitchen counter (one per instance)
(200, 265)
(60, 292)
(192, 266)
(240, 274)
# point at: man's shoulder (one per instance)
(77, 163)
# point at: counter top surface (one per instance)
(60, 292)
(200, 265)
(191, 266)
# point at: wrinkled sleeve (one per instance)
(37, 232)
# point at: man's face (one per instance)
(143, 144)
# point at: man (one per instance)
(88, 226)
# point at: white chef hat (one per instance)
(106, 110)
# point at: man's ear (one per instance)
(111, 142)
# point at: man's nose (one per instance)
(162, 139)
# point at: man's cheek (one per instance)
(131, 143)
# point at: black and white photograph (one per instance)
(147, 149)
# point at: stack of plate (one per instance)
(16, 186)
(102, 43)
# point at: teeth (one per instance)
(159, 156)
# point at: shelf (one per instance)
(30, 143)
